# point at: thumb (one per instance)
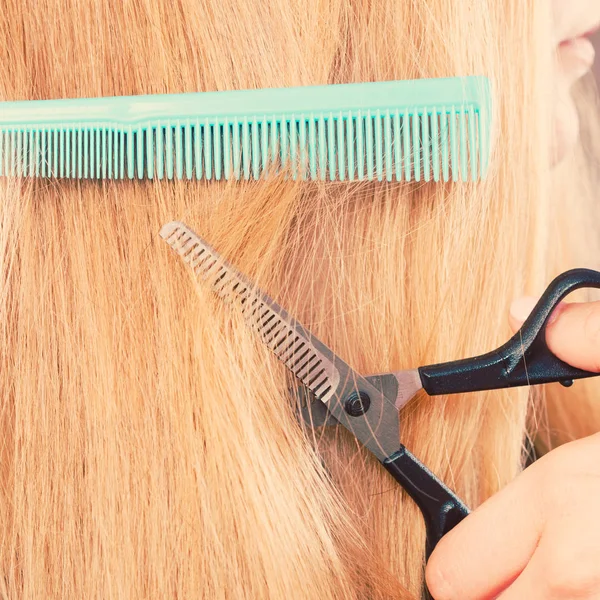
(573, 331)
(487, 551)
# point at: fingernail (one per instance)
(521, 308)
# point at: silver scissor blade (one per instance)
(400, 386)
(306, 357)
(328, 377)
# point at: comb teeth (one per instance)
(418, 130)
(285, 338)
(393, 146)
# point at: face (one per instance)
(574, 21)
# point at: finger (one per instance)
(573, 332)
(564, 565)
(487, 551)
(521, 308)
(529, 584)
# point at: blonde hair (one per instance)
(150, 447)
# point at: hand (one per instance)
(539, 537)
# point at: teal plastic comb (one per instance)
(396, 130)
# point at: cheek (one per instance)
(566, 126)
(573, 61)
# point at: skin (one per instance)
(538, 538)
(574, 58)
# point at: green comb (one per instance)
(396, 130)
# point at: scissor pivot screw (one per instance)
(357, 404)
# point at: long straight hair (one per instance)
(150, 449)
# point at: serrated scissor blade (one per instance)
(328, 377)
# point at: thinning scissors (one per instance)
(369, 406)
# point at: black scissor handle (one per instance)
(441, 508)
(524, 360)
